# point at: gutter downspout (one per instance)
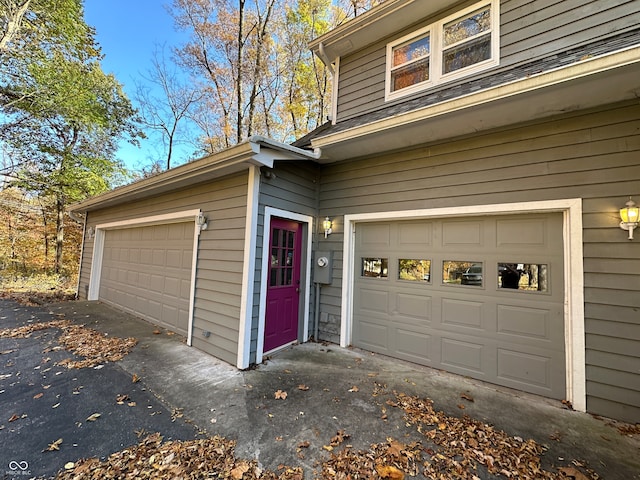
(323, 56)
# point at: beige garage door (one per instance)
(481, 297)
(147, 271)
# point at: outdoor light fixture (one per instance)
(629, 216)
(326, 224)
(202, 221)
(90, 233)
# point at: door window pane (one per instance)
(282, 243)
(523, 276)
(375, 267)
(462, 272)
(414, 270)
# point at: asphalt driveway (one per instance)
(312, 406)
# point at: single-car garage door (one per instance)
(480, 296)
(147, 271)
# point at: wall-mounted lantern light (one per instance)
(629, 217)
(326, 225)
(202, 221)
(90, 233)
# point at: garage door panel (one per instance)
(462, 313)
(415, 235)
(523, 367)
(419, 310)
(522, 232)
(458, 354)
(462, 233)
(374, 300)
(413, 308)
(523, 321)
(413, 346)
(147, 271)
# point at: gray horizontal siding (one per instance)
(219, 268)
(529, 31)
(294, 188)
(590, 155)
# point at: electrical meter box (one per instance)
(322, 267)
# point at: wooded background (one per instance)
(245, 69)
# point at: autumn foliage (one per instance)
(27, 244)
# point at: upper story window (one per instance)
(456, 46)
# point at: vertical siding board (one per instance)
(593, 155)
(219, 268)
(529, 31)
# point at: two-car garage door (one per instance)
(147, 271)
(481, 297)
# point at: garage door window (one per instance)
(462, 272)
(414, 270)
(528, 277)
(375, 267)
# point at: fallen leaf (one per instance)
(14, 417)
(239, 471)
(157, 332)
(93, 417)
(69, 465)
(461, 406)
(467, 397)
(303, 387)
(53, 446)
(304, 444)
(390, 472)
(280, 395)
(354, 389)
(135, 378)
(38, 395)
(574, 473)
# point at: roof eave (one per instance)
(259, 151)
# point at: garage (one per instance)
(477, 296)
(146, 271)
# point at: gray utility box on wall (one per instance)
(323, 266)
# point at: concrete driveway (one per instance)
(285, 412)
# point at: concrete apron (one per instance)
(329, 388)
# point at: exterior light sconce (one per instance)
(90, 233)
(201, 220)
(326, 225)
(629, 217)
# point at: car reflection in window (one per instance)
(472, 275)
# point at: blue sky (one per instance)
(128, 32)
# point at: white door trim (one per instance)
(175, 217)
(573, 274)
(264, 279)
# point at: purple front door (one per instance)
(283, 290)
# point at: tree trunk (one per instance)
(59, 232)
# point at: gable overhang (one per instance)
(586, 84)
(257, 151)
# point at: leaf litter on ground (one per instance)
(97, 348)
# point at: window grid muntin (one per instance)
(436, 65)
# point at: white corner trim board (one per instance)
(573, 275)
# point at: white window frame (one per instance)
(435, 31)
